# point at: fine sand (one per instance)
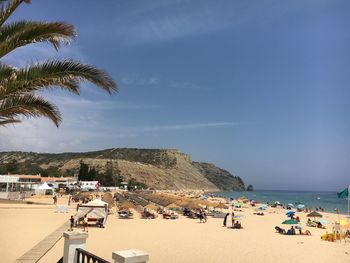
(182, 240)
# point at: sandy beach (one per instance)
(182, 240)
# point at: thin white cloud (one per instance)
(158, 128)
(169, 20)
(139, 81)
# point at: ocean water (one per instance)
(325, 199)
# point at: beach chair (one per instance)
(280, 230)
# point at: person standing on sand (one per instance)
(55, 199)
(69, 199)
(86, 223)
(71, 220)
(225, 219)
(232, 218)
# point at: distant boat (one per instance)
(318, 198)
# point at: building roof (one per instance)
(57, 179)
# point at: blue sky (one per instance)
(260, 88)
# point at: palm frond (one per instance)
(21, 33)
(6, 72)
(28, 105)
(7, 10)
(66, 73)
(4, 122)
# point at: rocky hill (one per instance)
(157, 168)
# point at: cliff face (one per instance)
(220, 177)
(157, 168)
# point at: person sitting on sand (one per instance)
(297, 218)
(293, 230)
(237, 225)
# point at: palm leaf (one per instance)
(67, 73)
(22, 33)
(28, 105)
(7, 10)
(4, 122)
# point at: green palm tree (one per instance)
(19, 86)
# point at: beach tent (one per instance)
(95, 209)
(43, 188)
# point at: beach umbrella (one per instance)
(290, 213)
(290, 205)
(277, 203)
(151, 207)
(173, 206)
(290, 222)
(343, 222)
(300, 206)
(221, 206)
(127, 204)
(314, 214)
(193, 205)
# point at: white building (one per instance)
(88, 185)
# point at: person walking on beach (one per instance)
(71, 220)
(225, 219)
(204, 217)
(69, 199)
(232, 219)
(200, 216)
(86, 224)
(55, 199)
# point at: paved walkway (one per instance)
(40, 249)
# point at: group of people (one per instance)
(234, 224)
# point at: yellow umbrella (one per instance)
(343, 222)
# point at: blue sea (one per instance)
(325, 199)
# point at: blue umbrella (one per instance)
(290, 213)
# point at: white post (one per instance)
(130, 256)
(72, 241)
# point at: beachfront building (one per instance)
(11, 187)
(60, 182)
(88, 185)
